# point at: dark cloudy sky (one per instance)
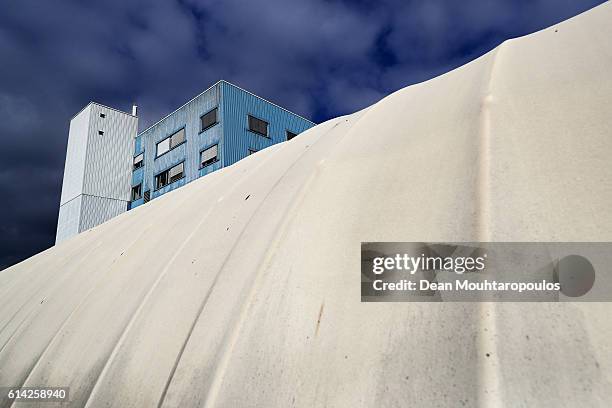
(319, 58)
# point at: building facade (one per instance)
(217, 128)
(97, 173)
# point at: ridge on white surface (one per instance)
(242, 288)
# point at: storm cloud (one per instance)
(318, 58)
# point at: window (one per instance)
(100, 132)
(208, 120)
(177, 138)
(209, 156)
(136, 192)
(169, 176)
(258, 126)
(171, 142)
(103, 115)
(161, 180)
(146, 197)
(163, 146)
(290, 135)
(139, 161)
(251, 151)
(176, 172)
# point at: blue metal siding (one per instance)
(211, 136)
(135, 204)
(137, 176)
(231, 135)
(138, 146)
(236, 105)
(187, 116)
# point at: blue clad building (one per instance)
(215, 129)
(111, 169)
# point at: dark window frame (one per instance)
(287, 132)
(155, 188)
(251, 151)
(267, 134)
(100, 133)
(168, 137)
(211, 163)
(102, 115)
(132, 193)
(216, 108)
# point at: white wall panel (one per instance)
(97, 174)
(74, 168)
(96, 210)
(109, 156)
(69, 219)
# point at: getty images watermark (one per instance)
(500, 271)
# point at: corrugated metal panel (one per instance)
(137, 176)
(96, 210)
(231, 135)
(74, 168)
(97, 165)
(109, 156)
(237, 104)
(138, 146)
(136, 203)
(213, 167)
(69, 219)
(188, 117)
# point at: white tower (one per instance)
(97, 174)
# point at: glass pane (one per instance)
(136, 190)
(209, 119)
(163, 146)
(177, 138)
(161, 180)
(258, 125)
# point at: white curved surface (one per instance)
(205, 297)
